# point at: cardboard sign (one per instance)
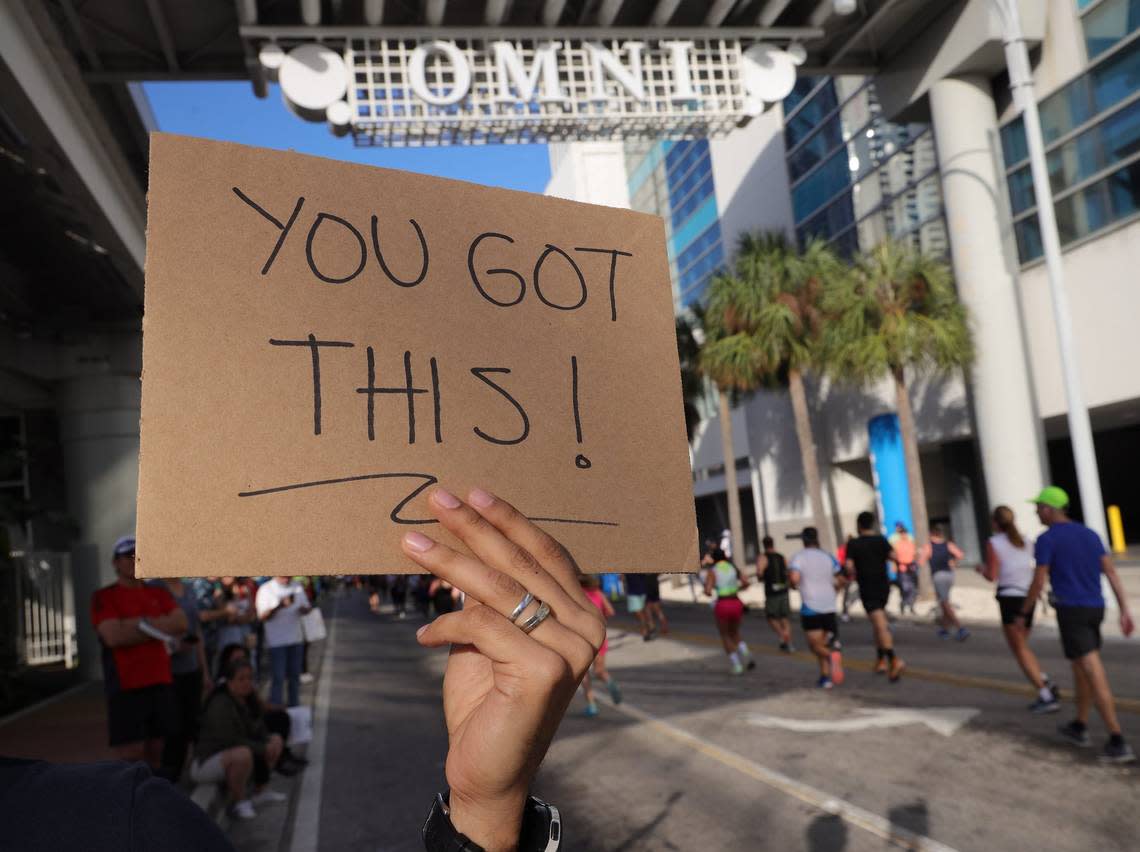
(324, 341)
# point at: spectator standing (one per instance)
(233, 745)
(1073, 557)
(210, 612)
(280, 604)
(239, 624)
(128, 616)
(191, 675)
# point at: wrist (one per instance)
(494, 824)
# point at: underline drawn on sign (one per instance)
(428, 481)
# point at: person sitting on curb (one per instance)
(233, 744)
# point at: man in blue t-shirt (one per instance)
(1073, 556)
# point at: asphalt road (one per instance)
(696, 759)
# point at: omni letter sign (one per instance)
(393, 92)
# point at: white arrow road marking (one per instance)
(852, 814)
(943, 720)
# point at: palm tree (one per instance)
(771, 318)
(726, 358)
(689, 326)
(898, 312)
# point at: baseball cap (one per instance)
(125, 546)
(1052, 496)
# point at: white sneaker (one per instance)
(269, 797)
(306, 677)
(243, 810)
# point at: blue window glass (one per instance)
(1021, 196)
(1124, 191)
(699, 246)
(1108, 23)
(1013, 145)
(1095, 91)
(1028, 234)
(835, 218)
(816, 148)
(800, 90)
(799, 126)
(825, 182)
(692, 202)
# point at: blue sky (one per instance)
(229, 111)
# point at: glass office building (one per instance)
(1091, 127)
(674, 180)
(857, 178)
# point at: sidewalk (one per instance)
(973, 599)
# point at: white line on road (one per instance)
(848, 812)
(941, 720)
(307, 820)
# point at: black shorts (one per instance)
(1080, 629)
(652, 589)
(1011, 607)
(824, 621)
(134, 715)
(874, 597)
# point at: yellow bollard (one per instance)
(1116, 529)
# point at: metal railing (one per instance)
(46, 599)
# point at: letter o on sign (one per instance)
(460, 71)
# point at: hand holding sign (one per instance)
(505, 691)
(324, 342)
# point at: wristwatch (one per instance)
(541, 829)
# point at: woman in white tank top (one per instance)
(1010, 563)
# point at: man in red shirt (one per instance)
(141, 709)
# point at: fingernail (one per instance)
(479, 497)
(445, 499)
(418, 542)
(420, 632)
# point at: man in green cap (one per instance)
(1073, 556)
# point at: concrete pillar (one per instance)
(99, 431)
(985, 266)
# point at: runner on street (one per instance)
(1009, 563)
(818, 577)
(1073, 557)
(726, 580)
(867, 556)
(773, 569)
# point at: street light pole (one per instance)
(1080, 429)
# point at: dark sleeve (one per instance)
(165, 820)
(99, 807)
(1043, 551)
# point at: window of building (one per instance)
(799, 125)
(1109, 23)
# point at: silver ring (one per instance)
(523, 604)
(539, 616)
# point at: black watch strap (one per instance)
(440, 835)
(541, 829)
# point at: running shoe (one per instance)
(1075, 733)
(837, 675)
(845, 618)
(269, 797)
(943, 633)
(897, 667)
(737, 669)
(824, 682)
(881, 666)
(785, 647)
(242, 810)
(615, 691)
(750, 665)
(963, 634)
(591, 711)
(1045, 705)
(1117, 752)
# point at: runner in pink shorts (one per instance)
(590, 586)
(727, 580)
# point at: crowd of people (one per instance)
(1068, 555)
(181, 664)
